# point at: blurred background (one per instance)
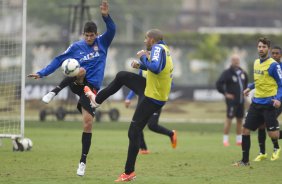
(202, 35)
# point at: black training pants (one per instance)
(144, 110)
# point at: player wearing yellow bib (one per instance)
(155, 88)
(267, 98)
(276, 54)
(153, 122)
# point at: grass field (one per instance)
(199, 157)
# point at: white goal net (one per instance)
(12, 67)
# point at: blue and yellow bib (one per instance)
(265, 84)
(158, 85)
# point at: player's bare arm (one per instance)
(127, 103)
(229, 96)
(34, 75)
(247, 91)
(276, 103)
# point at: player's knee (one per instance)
(273, 134)
(87, 123)
(81, 73)
(121, 75)
(152, 126)
(133, 132)
(245, 131)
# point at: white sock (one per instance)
(225, 138)
(238, 138)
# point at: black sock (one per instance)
(86, 143)
(64, 83)
(261, 140)
(275, 143)
(246, 144)
(280, 136)
(56, 90)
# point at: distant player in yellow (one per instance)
(156, 88)
(266, 100)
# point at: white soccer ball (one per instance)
(29, 144)
(22, 144)
(70, 67)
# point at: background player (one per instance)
(266, 100)
(231, 84)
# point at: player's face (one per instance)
(262, 50)
(148, 42)
(235, 62)
(276, 54)
(89, 37)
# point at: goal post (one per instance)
(12, 67)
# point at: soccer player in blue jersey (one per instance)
(91, 52)
(266, 100)
(156, 88)
(276, 54)
(153, 122)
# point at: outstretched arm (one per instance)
(108, 36)
(33, 75)
(54, 64)
(104, 8)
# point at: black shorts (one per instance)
(234, 110)
(278, 111)
(83, 99)
(259, 114)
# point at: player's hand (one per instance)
(246, 91)
(229, 96)
(141, 53)
(135, 64)
(104, 8)
(276, 103)
(127, 103)
(34, 75)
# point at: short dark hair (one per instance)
(90, 27)
(156, 34)
(277, 47)
(264, 40)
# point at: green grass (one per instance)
(199, 157)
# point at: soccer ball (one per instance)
(22, 144)
(70, 67)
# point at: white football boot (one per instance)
(48, 97)
(81, 169)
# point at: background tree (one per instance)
(209, 50)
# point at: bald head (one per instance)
(235, 61)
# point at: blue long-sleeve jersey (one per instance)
(274, 70)
(91, 57)
(156, 64)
